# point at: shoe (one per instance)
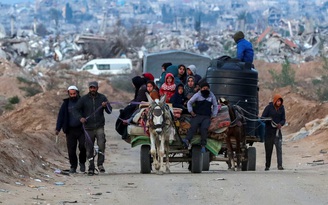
(72, 170)
(185, 142)
(203, 150)
(101, 168)
(266, 169)
(82, 167)
(280, 168)
(91, 172)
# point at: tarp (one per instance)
(152, 62)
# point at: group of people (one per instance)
(184, 89)
(82, 118)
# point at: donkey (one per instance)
(235, 131)
(160, 123)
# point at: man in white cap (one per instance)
(72, 127)
(90, 110)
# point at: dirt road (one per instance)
(123, 184)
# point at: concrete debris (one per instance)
(309, 128)
(47, 44)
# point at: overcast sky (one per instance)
(14, 1)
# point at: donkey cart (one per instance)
(216, 148)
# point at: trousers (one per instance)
(74, 139)
(95, 136)
(202, 122)
(270, 141)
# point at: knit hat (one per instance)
(149, 76)
(203, 84)
(239, 35)
(93, 84)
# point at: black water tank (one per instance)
(239, 85)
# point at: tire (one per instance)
(206, 161)
(145, 163)
(251, 155)
(196, 159)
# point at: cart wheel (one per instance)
(196, 159)
(244, 165)
(251, 155)
(244, 162)
(206, 161)
(145, 163)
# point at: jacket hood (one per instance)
(177, 88)
(173, 69)
(138, 81)
(149, 76)
(190, 76)
(167, 75)
(192, 69)
(277, 97)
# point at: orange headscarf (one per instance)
(276, 97)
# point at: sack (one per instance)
(125, 113)
(177, 112)
(220, 121)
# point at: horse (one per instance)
(161, 127)
(235, 131)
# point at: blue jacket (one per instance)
(245, 51)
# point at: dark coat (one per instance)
(178, 100)
(63, 117)
(87, 106)
(278, 116)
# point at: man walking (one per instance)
(90, 110)
(72, 127)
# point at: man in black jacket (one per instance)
(90, 110)
(72, 127)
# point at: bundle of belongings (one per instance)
(218, 126)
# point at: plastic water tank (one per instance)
(239, 85)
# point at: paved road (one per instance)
(123, 184)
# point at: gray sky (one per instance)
(14, 1)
